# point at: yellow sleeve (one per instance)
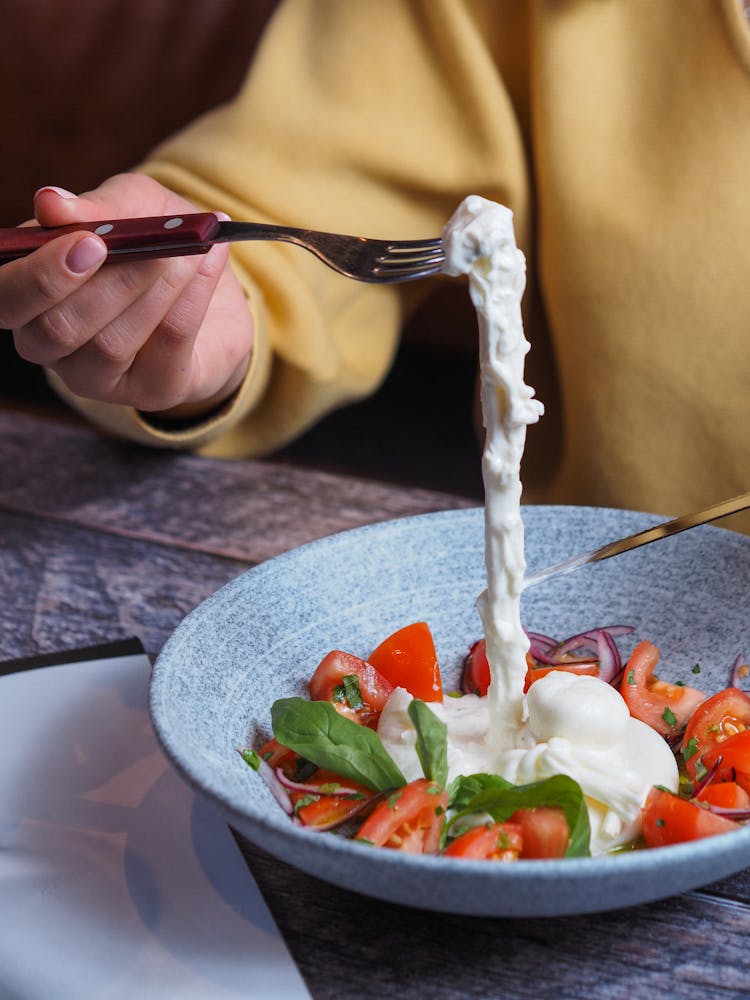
(369, 118)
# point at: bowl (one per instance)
(261, 636)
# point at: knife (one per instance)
(659, 531)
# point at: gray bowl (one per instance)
(260, 637)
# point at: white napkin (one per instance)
(115, 880)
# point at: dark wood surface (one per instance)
(101, 540)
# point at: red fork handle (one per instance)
(126, 239)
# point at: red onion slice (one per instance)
(310, 789)
(278, 791)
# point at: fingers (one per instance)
(31, 286)
(143, 354)
(119, 197)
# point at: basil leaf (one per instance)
(432, 742)
(560, 790)
(464, 788)
(352, 691)
(316, 731)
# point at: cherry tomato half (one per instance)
(665, 707)
(319, 805)
(668, 819)
(727, 794)
(408, 659)
(410, 819)
(545, 831)
(489, 842)
(354, 688)
(719, 719)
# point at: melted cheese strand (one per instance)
(479, 241)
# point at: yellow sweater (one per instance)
(618, 131)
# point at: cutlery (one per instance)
(378, 261)
(654, 534)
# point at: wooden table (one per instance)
(102, 540)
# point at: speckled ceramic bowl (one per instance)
(260, 637)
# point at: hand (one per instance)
(171, 336)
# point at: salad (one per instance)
(329, 770)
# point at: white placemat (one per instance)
(115, 880)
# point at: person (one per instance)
(616, 130)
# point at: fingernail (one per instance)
(85, 254)
(223, 217)
(60, 192)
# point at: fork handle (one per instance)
(126, 239)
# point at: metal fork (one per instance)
(379, 261)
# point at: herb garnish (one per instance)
(316, 731)
(669, 717)
(432, 742)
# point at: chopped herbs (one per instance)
(631, 677)
(251, 757)
(690, 749)
(697, 668)
(660, 822)
(669, 717)
(349, 691)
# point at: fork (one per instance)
(379, 261)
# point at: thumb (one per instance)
(54, 206)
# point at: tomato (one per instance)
(277, 755)
(534, 673)
(545, 831)
(354, 688)
(475, 677)
(318, 804)
(734, 752)
(490, 842)
(665, 707)
(719, 719)
(408, 659)
(727, 794)
(668, 819)
(409, 819)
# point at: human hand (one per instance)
(170, 336)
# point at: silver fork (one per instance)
(380, 261)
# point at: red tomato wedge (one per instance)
(535, 673)
(409, 819)
(319, 805)
(277, 755)
(354, 688)
(721, 718)
(727, 794)
(408, 659)
(665, 707)
(490, 842)
(544, 830)
(668, 819)
(734, 753)
(475, 677)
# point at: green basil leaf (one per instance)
(316, 731)
(432, 742)
(352, 691)
(464, 788)
(560, 790)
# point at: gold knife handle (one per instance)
(645, 537)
